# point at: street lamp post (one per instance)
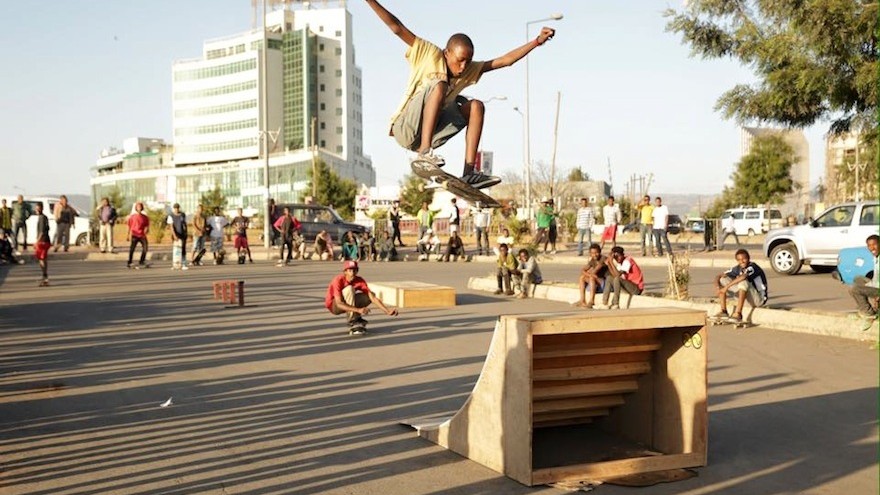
(264, 135)
(528, 164)
(526, 195)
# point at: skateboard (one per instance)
(242, 258)
(142, 267)
(437, 177)
(177, 254)
(722, 320)
(198, 259)
(221, 255)
(357, 331)
(44, 282)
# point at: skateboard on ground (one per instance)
(436, 176)
(44, 282)
(357, 330)
(198, 259)
(177, 254)
(726, 320)
(142, 267)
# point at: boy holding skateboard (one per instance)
(349, 293)
(745, 280)
(177, 221)
(432, 110)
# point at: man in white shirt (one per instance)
(728, 227)
(584, 223)
(611, 216)
(661, 222)
(482, 217)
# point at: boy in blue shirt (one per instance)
(745, 280)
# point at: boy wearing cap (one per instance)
(349, 293)
(138, 228)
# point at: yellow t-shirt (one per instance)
(647, 214)
(426, 63)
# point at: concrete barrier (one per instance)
(801, 321)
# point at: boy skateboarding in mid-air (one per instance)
(432, 110)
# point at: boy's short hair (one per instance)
(460, 39)
(523, 251)
(873, 237)
(617, 250)
(502, 246)
(596, 247)
(742, 252)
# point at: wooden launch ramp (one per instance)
(586, 395)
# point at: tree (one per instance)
(763, 176)
(578, 175)
(213, 199)
(118, 200)
(333, 190)
(815, 61)
(413, 193)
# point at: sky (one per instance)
(81, 76)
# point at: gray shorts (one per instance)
(407, 128)
(752, 295)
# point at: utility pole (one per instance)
(314, 148)
(264, 110)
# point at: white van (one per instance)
(750, 221)
(79, 230)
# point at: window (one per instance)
(339, 51)
(837, 217)
(321, 47)
(752, 215)
(322, 88)
(338, 33)
(323, 126)
(738, 215)
(323, 106)
(320, 29)
(338, 92)
(339, 148)
(323, 143)
(870, 215)
(338, 111)
(320, 68)
(339, 130)
(338, 72)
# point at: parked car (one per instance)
(695, 225)
(315, 218)
(674, 224)
(818, 242)
(79, 230)
(751, 221)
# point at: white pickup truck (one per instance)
(819, 242)
(79, 230)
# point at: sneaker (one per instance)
(509, 293)
(867, 315)
(614, 306)
(184, 267)
(521, 295)
(359, 321)
(428, 157)
(479, 180)
(721, 314)
(498, 292)
(358, 331)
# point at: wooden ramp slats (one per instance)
(552, 423)
(584, 389)
(577, 403)
(590, 348)
(611, 469)
(591, 360)
(570, 415)
(602, 370)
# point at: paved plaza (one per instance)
(276, 398)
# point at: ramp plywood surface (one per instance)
(412, 294)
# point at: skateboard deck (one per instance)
(715, 320)
(436, 176)
(357, 331)
(865, 323)
(177, 254)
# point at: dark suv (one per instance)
(315, 218)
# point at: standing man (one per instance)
(425, 218)
(64, 215)
(21, 211)
(526, 273)
(41, 248)
(177, 221)
(432, 110)
(864, 287)
(349, 293)
(242, 246)
(138, 228)
(218, 223)
(394, 219)
(273, 217)
(646, 224)
(199, 234)
(728, 227)
(661, 222)
(543, 218)
(6, 218)
(482, 217)
(625, 274)
(454, 217)
(107, 215)
(611, 216)
(287, 226)
(584, 224)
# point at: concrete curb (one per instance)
(697, 261)
(800, 321)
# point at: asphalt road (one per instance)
(276, 398)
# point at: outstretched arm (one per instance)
(517, 53)
(392, 22)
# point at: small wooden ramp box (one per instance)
(409, 294)
(586, 395)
